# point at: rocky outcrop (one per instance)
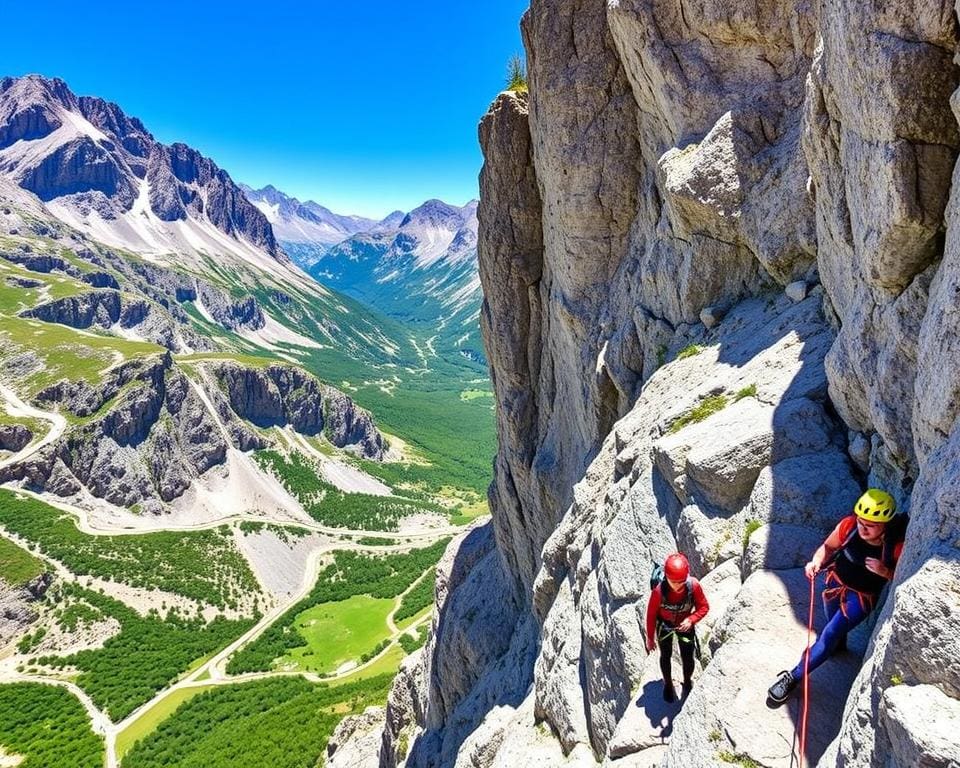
(13, 437)
(356, 741)
(672, 170)
(231, 314)
(110, 308)
(284, 394)
(18, 606)
(144, 436)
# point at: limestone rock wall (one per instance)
(673, 168)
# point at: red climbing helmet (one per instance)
(676, 567)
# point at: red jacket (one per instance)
(654, 609)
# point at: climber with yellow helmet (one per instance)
(859, 557)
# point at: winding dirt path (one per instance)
(85, 525)
(16, 407)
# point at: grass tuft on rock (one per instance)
(689, 351)
(706, 408)
(748, 530)
(742, 760)
(748, 391)
(516, 75)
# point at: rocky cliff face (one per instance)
(673, 169)
(145, 432)
(17, 609)
(283, 394)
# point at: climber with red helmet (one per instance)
(859, 558)
(676, 604)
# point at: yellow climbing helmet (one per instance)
(875, 506)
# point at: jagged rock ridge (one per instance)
(99, 169)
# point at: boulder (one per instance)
(355, 743)
(923, 723)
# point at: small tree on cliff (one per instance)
(516, 75)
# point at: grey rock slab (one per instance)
(923, 724)
(648, 720)
(355, 743)
(720, 587)
(815, 490)
(796, 291)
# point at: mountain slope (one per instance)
(423, 272)
(199, 275)
(105, 174)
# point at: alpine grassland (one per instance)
(17, 566)
(379, 576)
(338, 633)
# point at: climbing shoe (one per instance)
(687, 687)
(669, 694)
(779, 691)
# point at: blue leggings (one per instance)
(836, 630)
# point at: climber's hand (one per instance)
(685, 626)
(811, 569)
(875, 565)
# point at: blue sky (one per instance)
(363, 107)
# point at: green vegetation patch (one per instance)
(148, 654)
(457, 437)
(379, 576)
(689, 351)
(410, 643)
(739, 759)
(748, 391)
(417, 598)
(149, 720)
(65, 352)
(17, 566)
(330, 506)
(339, 632)
(203, 565)
(516, 75)
(281, 723)
(47, 727)
(475, 394)
(748, 530)
(704, 409)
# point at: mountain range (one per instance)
(115, 235)
(418, 267)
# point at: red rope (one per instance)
(806, 676)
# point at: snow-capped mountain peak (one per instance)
(102, 172)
